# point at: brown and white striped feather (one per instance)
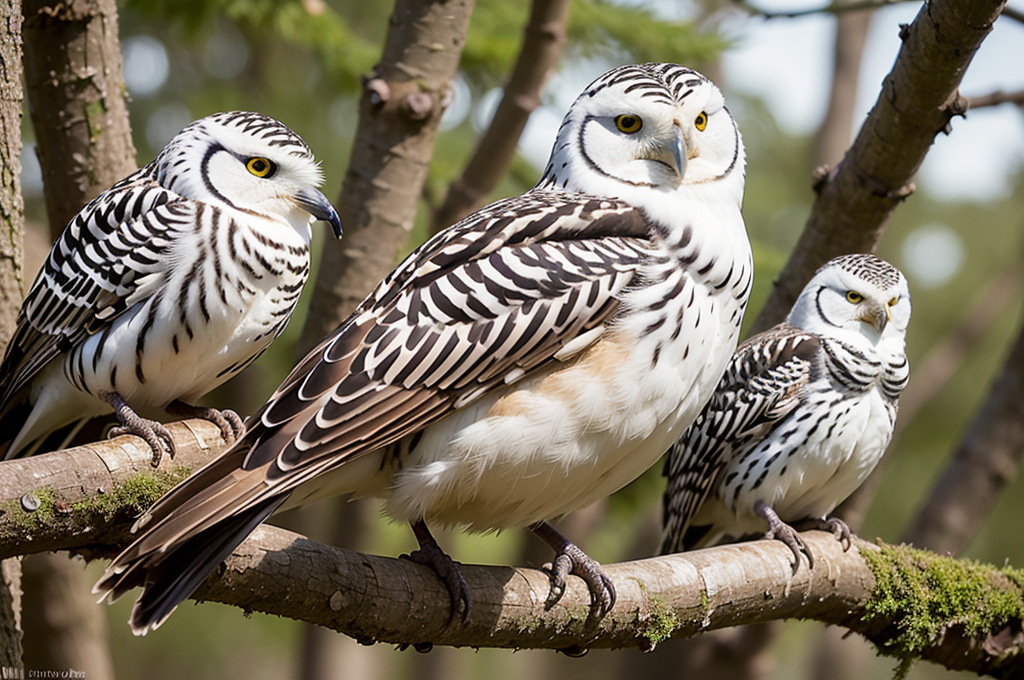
(484, 304)
(763, 384)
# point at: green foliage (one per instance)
(635, 33)
(598, 29)
(926, 595)
(342, 52)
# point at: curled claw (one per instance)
(836, 527)
(227, 421)
(780, 531)
(447, 569)
(152, 432)
(570, 559)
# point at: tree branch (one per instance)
(399, 113)
(92, 493)
(838, 7)
(1013, 13)
(543, 42)
(912, 603)
(918, 99)
(985, 462)
(76, 96)
(996, 98)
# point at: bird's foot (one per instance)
(570, 559)
(230, 423)
(154, 433)
(447, 569)
(780, 531)
(834, 526)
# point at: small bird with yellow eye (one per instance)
(800, 418)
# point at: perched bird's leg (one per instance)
(780, 531)
(155, 434)
(570, 559)
(431, 554)
(834, 526)
(230, 423)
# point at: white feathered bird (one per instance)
(166, 285)
(531, 359)
(802, 415)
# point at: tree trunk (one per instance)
(76, 99)
(543, 42)
(11, 244)
(919, 98)
(399, 113)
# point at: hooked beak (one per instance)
(317, 205)
(671, 150)
(877, 316)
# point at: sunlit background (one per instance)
(954, 239)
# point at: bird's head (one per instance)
(249, 162)
(643, 127)
(855, 296)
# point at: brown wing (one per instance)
(481, 305)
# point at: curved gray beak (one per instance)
(877, 317)
(317, 205)
(671, 150)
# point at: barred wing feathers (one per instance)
(109, 256)
(763, 384)
(480, 305)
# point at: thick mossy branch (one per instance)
(925, 599)
(92, 493)
(911, 603)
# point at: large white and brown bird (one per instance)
(529, 360)
(802, 415)
(166, 285)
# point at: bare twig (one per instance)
(917, 101)
(996, 98)
(839, 7)
(543, 41)
(1012, 13)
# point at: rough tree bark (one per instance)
(11, 236)
(918, 100)
(543, 42)
(399, 112)
(76, 99)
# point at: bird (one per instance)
(800, 418)
(165, 285)
(521, 364)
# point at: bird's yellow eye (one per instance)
(854, 297)
(261, 167)
(701, 121)
(629, 123)
(892, 302)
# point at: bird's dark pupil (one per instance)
(259, 166)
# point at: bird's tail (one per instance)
(168, 578)
(185, 535)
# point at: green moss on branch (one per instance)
(927, 597)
